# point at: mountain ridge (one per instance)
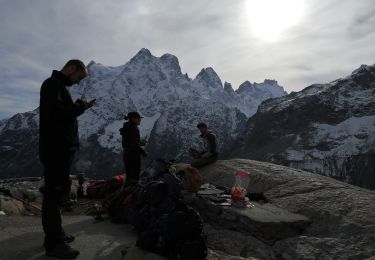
(325, 128)
(153, 86)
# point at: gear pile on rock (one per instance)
(155, 207)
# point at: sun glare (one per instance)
(270, 18)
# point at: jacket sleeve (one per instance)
(59, 109)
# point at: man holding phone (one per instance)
(58, 142)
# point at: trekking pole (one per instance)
(6, 192)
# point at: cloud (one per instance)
(332, 39)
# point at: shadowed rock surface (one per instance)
(315, 217)
(342, 215)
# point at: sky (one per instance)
(296, 42)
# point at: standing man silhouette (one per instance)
(132, 145)
(58, 141)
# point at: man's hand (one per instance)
(195, 153)
(86, 105)
(89, 104)
(143, 141)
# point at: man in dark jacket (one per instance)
(58, 141)
(131, 143)
(210, 154)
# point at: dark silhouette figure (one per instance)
(210, 154)
(58, 142)
(131, 143)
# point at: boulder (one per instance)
(11, 206)
(236, 243)
(263, 221)
(342, 215)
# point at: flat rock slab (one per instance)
(22, 238)
(136, 253)
(266, 222)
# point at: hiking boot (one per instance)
(62, 250)
(67, 239)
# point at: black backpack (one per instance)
(182, 234)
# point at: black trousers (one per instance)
(55, 192)
(132, 162)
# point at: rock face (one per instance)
(266, 222)
(342, 216)
(172, 104)
(11, 206)
(327, 129)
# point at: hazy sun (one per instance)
(270, 18)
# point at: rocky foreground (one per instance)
(308, 217)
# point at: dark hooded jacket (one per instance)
(210, 145)
(131, 141)
(58, 129)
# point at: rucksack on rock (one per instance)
(192, 180)
(183, 236)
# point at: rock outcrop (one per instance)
(308, 216)
(342, 216)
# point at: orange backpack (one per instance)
(193, 179)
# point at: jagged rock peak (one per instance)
(228, 87)
(90, 64)
(169, 58)
(244, 87)
(144, 52)
(209, 76)
(271, 82)
(362, 68)
(171, 62)
(143, 55)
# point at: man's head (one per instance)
(75, 70)
(134, 117)
(203, 128)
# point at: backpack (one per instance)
(96, 189)
(119, 203)
(102, 188)
(177, 235)
(193, 180)
(182, 234)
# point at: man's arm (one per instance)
(54, 99)
(212, 142)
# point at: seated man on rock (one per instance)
(209, 155)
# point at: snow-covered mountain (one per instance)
(171, 103)
(325, 128)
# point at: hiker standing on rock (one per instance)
(209, 155)
(132, 145)
(58, 141)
